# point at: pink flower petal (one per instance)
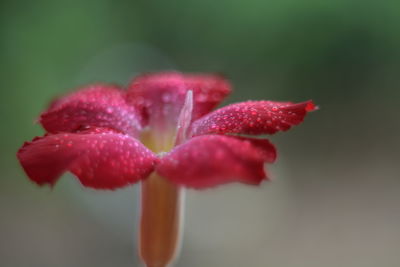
(265, 147)
(100, 158)
(208, 92)
(210, 160)
(253, 117)
(160, 96)
(96, 105)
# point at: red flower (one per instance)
(94, 133)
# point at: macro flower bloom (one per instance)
(163, 127)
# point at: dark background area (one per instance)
(335, 197)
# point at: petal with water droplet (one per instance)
(160, 96)
(208, 91)
(253, 117)
(95, 105)
(100, 158)
(210, 160)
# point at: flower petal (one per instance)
(253, 117)
(100, 158)
(208, 91)
(96, 105)
(210, 160)
(160, 96)
(265, 147)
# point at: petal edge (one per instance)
(97, 105)
(100, 158)
(253, 117)
(160, 96)
(210, 160)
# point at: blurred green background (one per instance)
(335, 198)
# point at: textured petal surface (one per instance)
(96, 105)
(210, 160)
(100, 158)
(208, 90)
(265, 147)
(253, 117)
(160, 96)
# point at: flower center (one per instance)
(160, 141)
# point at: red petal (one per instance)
(208, 90)
(161, 95)
(210, 160)
(253, 117)
(96, 105)
(266, 148)
(100, 158)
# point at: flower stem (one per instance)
(160, 221)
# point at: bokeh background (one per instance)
(335, 197)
